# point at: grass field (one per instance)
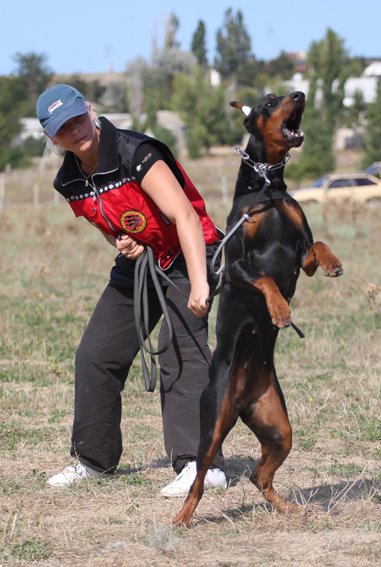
(53, 268)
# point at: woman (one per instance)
(134, 191)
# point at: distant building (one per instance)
(31, 128)
(366, 85)
(373, 70)
(215, 78)
(297, 83)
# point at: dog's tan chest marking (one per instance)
(293, 213)
(257, 217)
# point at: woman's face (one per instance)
(77, 134)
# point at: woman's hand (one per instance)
(197, 299)
(129, 247)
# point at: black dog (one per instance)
(269, 240)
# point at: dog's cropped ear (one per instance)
(242, 107)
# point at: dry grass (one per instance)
(53, 268)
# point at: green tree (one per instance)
(328, 69)
(352, 115)
(158, 80)
(372, 136)
(233, 44)
(282, 66)
(91, 90)
(12, 93)
(18, 94)
(33, 68)
(167, 62)
(205, 112)
(251, 73)
(156, 89)
(171, 29)
(198, 45)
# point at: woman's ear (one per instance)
(93, 116)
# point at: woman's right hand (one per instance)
(129, 247)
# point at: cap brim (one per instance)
(76, 109)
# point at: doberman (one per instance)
(269, 240)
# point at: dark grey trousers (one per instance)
(105, 354)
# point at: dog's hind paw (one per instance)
(181, 520)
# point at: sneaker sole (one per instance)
(185, 493)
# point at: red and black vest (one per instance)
(113, 201)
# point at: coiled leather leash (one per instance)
(146, 267)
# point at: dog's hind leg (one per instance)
(218, 407)
(218, 416)
(266, 416)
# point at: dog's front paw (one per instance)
(329, 263)
(332, 268)
(280, 313)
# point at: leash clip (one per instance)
(244, 155)
(262, 169)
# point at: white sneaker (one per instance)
(72, 474)
(215, 478)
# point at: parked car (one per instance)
(358, 187)
(374, 168)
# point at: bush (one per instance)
(165, 136)
(14, 156)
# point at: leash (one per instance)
(298, 331)
(246, 217)
(228, 235)
(145, 267)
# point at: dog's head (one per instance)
(274, 125)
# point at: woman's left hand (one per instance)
(129, 247)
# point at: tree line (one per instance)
(180, 81)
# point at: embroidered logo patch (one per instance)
(143, 162)
(133, 221)
(54, 106)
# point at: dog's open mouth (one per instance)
(290, 130)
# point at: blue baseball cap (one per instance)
(58, 104)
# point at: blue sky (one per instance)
(81, 36)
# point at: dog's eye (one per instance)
(271, 101)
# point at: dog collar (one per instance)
(263, 169)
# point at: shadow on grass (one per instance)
(125, 470)
(326, 497)
(329, 496)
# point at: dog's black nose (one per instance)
(297, 96)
